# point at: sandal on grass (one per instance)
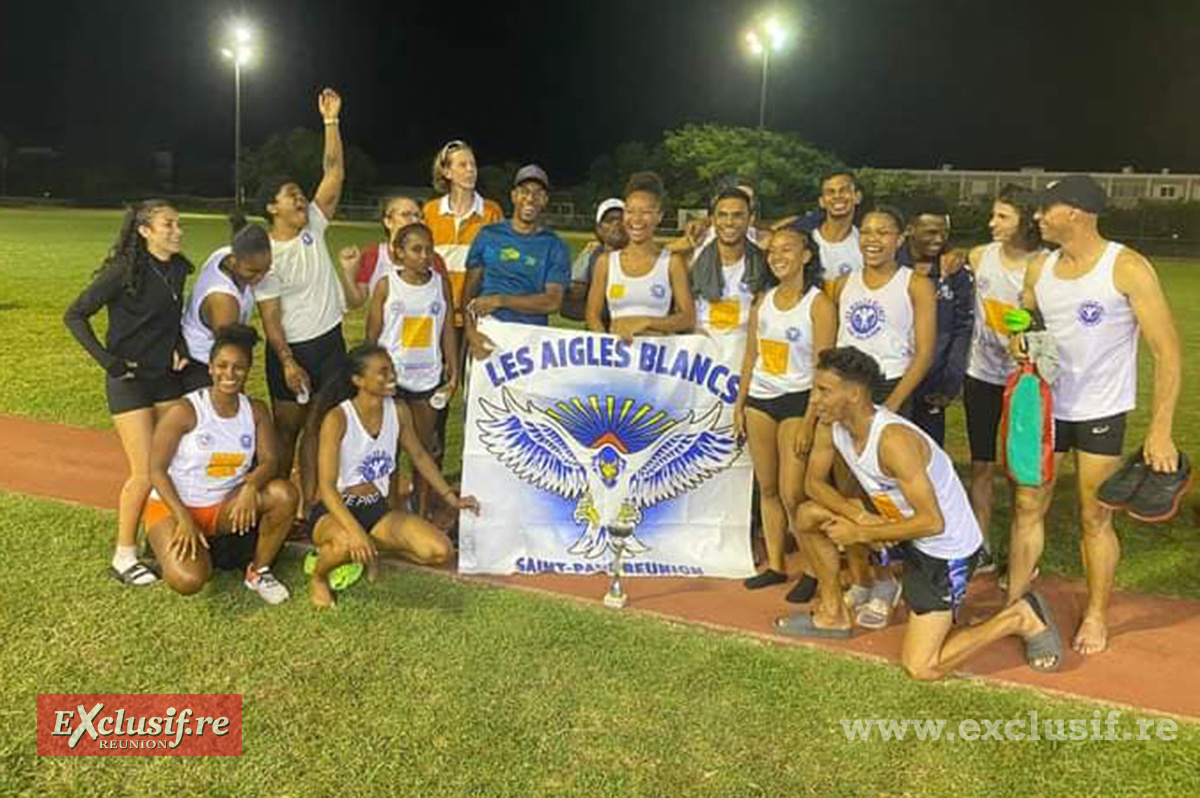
(802, 625)
(1046, 643)
(136, 575)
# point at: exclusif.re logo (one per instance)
(139, 725)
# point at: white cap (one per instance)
(608, 205)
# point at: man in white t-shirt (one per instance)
(302, 299)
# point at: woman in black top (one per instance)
(141, 285)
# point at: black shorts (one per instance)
(367, 510)
(195, 376)
(884, 389)
(1098, 436)
(322, 358)
(232, 552)
(932, 584)
(140, 393)
(414, 396)
(984, 403)
(781, 408)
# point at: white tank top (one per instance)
(212, 280)
(214, 458)
(960, 536)
(785, 347)
(413, 318)
(1097, 335)
(839, 259)
(879, 321)
(730, 313)
(363, 458)
(997, 290)
(649, 295)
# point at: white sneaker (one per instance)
(877, 613)
(264, 583)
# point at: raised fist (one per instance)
(329, 103)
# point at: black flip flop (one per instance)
(1046, 643)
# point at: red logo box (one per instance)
(117, 724)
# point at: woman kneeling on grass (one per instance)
(361, 422)
(204, 488)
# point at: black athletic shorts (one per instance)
(322, 357)
(367, 510)
(415, 396)
(931, 584)
(1098, 436)
(884, 389)
(781, 408)
(984, 403)
(140, 393)
(232, 552)
(195, 376)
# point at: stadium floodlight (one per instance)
(239, 51)
(766, 34)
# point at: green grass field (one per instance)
(422, 686)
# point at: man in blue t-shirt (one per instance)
(516, 270)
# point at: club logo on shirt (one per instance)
(247, 441)
(509, 253)
(435, 308)
(844, 270)
(307, 238)
(376, 465)
(945, 292)
(866, 318)
(658, 291)
(1090, 313)
(793, 334)
(204, 440)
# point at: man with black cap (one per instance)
(517, 270)
(1094, 296)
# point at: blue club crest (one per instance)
(793, 334)
(865, 318)
(613, 456)
(658, 291)
(247, 441)
(307, 238)
(1090, 313)
(435, 308)
(376, 465)
(844, 270)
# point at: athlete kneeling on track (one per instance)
(922, 510)
(361, 422)
(205, 490)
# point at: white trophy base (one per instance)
(615, 602)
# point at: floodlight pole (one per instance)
(237, 131)
(762, 98)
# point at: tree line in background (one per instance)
(690, 159)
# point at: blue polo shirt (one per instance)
(518, 265)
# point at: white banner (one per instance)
(569, 433)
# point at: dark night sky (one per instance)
(912, 83)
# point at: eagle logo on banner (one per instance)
(614, 457)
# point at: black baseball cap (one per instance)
(532, 172)
(1078, 191)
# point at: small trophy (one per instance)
(616, 597)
